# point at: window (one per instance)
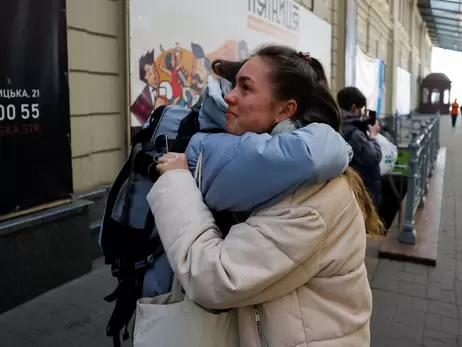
(435, 97)
(425, 96)
(446, 96)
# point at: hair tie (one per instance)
(306, 56)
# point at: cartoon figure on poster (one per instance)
(172, 64)
(177, 76)
(154, 94)
(201, 68)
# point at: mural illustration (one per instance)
(177, 75)
(172, 51)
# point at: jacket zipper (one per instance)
(261, 338)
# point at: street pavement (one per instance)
(414, 305)
(417, 305)
(74, 315)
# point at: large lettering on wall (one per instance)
(35, 148)
(285, 13)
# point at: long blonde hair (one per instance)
(296, 75)
(374, 225)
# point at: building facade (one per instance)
(392, 30)
(97, 46)
(104, 78)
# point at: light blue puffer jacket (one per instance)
(240, 173)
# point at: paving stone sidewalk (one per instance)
(73, 315)
(414, 305)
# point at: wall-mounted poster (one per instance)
(35, 148)
(369, 79)
(173, 44)
(403, 91)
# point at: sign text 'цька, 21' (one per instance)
(19, 93)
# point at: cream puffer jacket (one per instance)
(302, 259)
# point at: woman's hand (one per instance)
(172, 161)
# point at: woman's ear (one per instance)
(288, 109)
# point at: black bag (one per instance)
(126, 237)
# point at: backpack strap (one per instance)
(126, 295)
(151, 125)
(127, 201)
(197, 106)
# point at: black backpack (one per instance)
(126, 238)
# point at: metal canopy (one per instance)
(444, 22)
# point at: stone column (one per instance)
(393, 57)
(414, 72)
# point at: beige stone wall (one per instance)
(374, 27)
(374, 35)
(98, 70)
(391, 30)
(414, 49)
(337, 20)
(98, 87)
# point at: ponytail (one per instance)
(319, 70)
(374, 225)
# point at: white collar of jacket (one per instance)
(286, 126)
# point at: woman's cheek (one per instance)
(233, 126)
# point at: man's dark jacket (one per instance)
(366, 154)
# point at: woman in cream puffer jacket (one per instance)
(295, 271)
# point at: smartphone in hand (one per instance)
(372, 119)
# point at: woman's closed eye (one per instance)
(245, 83)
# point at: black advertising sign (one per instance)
(35, 147)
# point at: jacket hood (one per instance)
(349, 117)
(213, 109)
(351, 122)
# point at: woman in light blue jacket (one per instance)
(253, 170)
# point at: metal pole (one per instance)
(432, 146)
(423, 166)
(437, 133)
(408, 233)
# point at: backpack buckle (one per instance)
(140, 265)
(162, 144)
